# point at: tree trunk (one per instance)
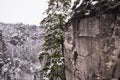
(92, 45)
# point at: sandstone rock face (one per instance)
(92, 45)
(19, 51)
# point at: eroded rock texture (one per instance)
(92, 46)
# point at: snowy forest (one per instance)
(76, 40)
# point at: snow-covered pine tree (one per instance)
(54, 23)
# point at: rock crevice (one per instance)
(92, 45)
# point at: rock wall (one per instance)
(92, 47)
(19, 51)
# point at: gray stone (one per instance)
(96, 44)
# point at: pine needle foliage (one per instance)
(52, 53)
(54, 23)
(96, 8)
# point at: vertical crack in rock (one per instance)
(75, 57)
(97, 45)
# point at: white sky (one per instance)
(25, 11)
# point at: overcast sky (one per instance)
(25, 11)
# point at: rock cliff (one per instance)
(92, 47)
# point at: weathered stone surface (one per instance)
(89, 27)
(92, 45)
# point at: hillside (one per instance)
(20, 47)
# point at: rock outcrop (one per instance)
(92, 46)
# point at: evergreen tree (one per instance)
(95, 7)
(54, 23)
(52, 53)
